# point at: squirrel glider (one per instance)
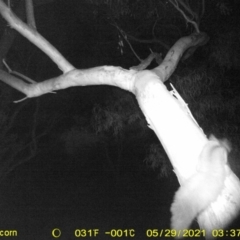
(203, 188)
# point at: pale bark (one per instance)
(181, 138)
(9, 35)
(168, 116)
(183, 141)
(34, 37)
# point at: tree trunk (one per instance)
(210, 190)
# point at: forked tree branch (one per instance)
(107, 75)
(175, 4)
(188, 9)
(35, 38)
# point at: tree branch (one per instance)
(126, 39)
(34, 37)
(146, 62)
(175, 4)
(30, 14)
(113, 76)
(9, 35)
(169, 64)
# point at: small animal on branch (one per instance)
(203, 188)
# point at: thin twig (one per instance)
(126, 39)
(175, 4)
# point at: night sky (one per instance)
(86, 173)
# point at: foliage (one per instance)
(225, 49)
(213, 100)
(157, 160)
(119, 114)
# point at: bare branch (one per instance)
(175, 4)
(17, 73)
(12, 81)
(9, 34)
(30, 14)
(114, 76)
(188, 9)
(154, 40)
(146, 62)
(107, 75)
(34, 37)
